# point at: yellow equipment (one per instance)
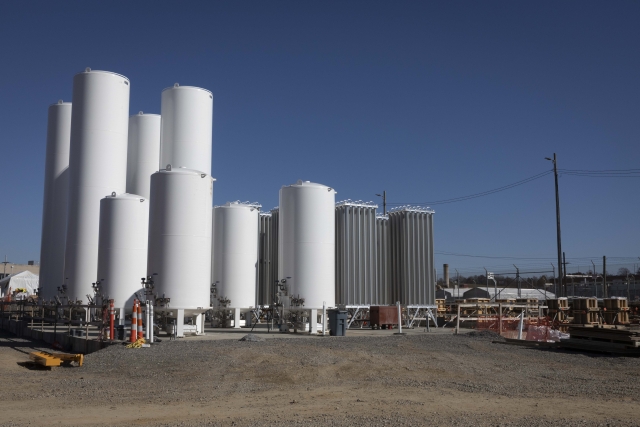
(55, 359)
(137, 344)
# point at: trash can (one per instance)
(337, 323)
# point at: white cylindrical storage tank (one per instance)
(97, 167)
(180, 237)
(187, 120)
(56, 191)
(122, 252)
(235, 253)
(306, 243)
(143, 154)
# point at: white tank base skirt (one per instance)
(188, 321)
(235, 321)
(316, 324)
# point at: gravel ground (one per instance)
(405, 380)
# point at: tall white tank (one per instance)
(97, 167)
(235, 253)
(180, 236)
(187, 120)
(306, 243)
(122, 251)
(56, 191)
(143, 155)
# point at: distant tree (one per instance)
(623, 271)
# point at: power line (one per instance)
(484, 193)
(604, 173)
(527, 258)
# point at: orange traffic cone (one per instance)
(134, 322)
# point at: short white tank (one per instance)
(306, 243)
(187, 120)
(235, 253)
(56, 191)
(180, 237)
(143, 154)
(97, 167)
(122, 251)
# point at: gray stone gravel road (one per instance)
(411, 380)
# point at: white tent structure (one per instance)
(503, 293)
(24, 280)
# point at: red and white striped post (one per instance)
(134, 322)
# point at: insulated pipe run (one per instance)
(324, 317)
(146, 312)
(151, 322)
(112, 320)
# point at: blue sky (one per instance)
(428, 100)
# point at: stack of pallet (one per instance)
(616, 311)
(480, 308)
(559, 309)
(442, 308)
(604, 339)
(585, 311)
(531, 302)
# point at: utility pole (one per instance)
(595, 278)
(558, 234)
(384, 201)
(555, 281)
(486, 279)
(605, 291)
(564, 270)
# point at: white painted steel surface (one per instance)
(56, 191)
(122, 250)
(97, 167)
(306, 242)
(180, 236)
(356, 254)
(143, 155)
(187, 120)
(411, 256)
(383, 269)
(268, 266)
(235, 253)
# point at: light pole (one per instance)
(558, 234)
(5, 262)
(384, 201)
